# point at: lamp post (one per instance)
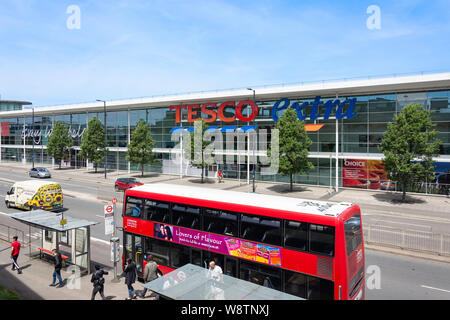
(254, 128)
(32, 135)
(104, 132)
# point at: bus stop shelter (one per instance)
(59, 230)
(192, 282)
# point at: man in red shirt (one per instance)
(15, 249)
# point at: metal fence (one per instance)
(415, 240)
(30, 239)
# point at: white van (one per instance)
(34, 194)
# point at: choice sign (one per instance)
(211, 111)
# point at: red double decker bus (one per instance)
(311, 249)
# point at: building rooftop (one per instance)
(330, 88)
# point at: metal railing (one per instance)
(29, 239)
(414, 240)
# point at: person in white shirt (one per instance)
(215, 272)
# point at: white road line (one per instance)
(432, 288)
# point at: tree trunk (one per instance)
(142, 169)
(60, 164)
(95, 166)
(290, 179)
(404, 192)
(203, 166)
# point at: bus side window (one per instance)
(320, 289)
(186, 216)
(321, 239)
(296, 235)
(158, 211)
(134, 207)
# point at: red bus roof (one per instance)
(295, 205)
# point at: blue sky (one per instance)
(132, 48)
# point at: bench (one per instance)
(49, 252)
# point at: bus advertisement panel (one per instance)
(234, 247)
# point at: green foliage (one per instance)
(140, 146)
(6, 294)
(411, 137)
(93, 142)
(294, 144)
(59, 142)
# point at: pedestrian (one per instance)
(98, 281)
(215, 272)
(130, 278)
(57, 271)
(219, 176)
(150, 272)
(15, 250)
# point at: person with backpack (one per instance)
(98, 282)
(15, 249)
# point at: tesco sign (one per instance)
(211, 111)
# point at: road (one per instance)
(84, 208)
(406, 278)
(401, 277)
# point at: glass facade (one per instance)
(358, 137)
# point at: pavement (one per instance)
(33, 282)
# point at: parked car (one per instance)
(126, 183)
(39, 173)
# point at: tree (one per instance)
(409, 145)
(93, 142)
(197, 153)
(140, 147)
(59, 142)
(294, 144)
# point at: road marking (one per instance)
(402, 223)
(432, 288)
(409, 216)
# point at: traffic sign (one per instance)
(114, 201)
(109, 210)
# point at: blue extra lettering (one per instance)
(329, 106)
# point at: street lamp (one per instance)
(254, 128)
(104, 132)
(32, 136)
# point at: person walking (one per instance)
(57, 271)
(150, 272)
(219, 176)
(130, 278)
(15, 250)
(98, 281)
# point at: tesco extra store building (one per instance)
(345, 121)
